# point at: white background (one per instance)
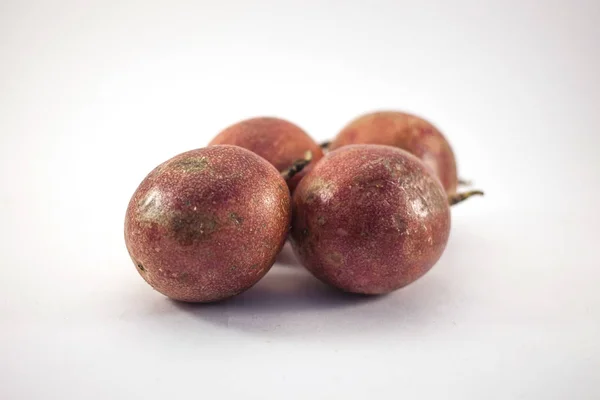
(94, 95)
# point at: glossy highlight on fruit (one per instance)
(208, 223)
(408, 132)
(369, 219)
(278, 141)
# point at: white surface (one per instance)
(92, 97)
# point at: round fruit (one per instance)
(278, 141)
(207, 224)
(369, 219)
(408, 132)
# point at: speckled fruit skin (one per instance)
(369, 219)
(207, 224)
(408, 132)
(276, 140)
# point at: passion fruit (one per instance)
(408, 132)
(278, 141)
(207, 224)
(369, 219)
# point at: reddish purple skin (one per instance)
(408, 132)
(208, 224)
(369, 219)
(276, 140)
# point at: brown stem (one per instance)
(460, 197)
(297, 166)
(325, 145)
(464, 182)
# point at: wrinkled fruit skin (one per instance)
(369, 219)
(207, 224)
(408, 132)
(278, 141)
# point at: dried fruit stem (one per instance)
(325, 145)
(460, 197)
(297, 166)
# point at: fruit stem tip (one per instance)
(297, 166)
(456, 198)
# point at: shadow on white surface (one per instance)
(287, 257)
(282, 290)
(292, 302)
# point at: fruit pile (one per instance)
(367, 213)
